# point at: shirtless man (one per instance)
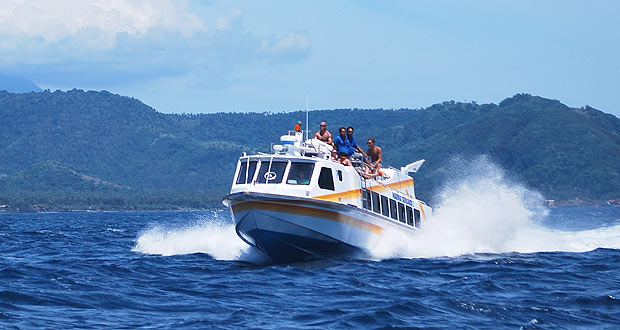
(376, 155)
(323, 134)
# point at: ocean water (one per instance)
(499, 260)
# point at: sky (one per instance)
(202, 56)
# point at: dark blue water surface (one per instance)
(180, 270)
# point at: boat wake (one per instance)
(480, 211)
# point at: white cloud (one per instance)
(52, 21)
(97, 43)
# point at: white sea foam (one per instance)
(481, 211)
(210, 236)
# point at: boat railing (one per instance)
(398, 173)
(293, 133)
(392, 189)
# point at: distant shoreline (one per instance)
(581, 202)
(212, 206)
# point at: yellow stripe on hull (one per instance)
(307, 211)
(338, 197)
(357, 193)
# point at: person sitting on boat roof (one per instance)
(373, 161)
(323, 134)
(352, 145)
(343, 158)
(298, 126)
(341, 143)
(375, 155)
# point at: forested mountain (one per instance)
(77, 149)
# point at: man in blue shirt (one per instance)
(352, 145)
(341, 142)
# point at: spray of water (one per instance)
(482, 211)
(209, 234)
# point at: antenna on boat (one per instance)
(306, 116)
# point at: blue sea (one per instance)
(552, 268)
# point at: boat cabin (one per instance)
(293, 175)
(391, 197)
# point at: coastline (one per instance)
(582, 202)
(211, 204)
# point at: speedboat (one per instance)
(297, 204)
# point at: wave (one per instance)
(211, 236)
(208, 234)
(482, 211)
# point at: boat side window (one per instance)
(385, 208)
(300, 173)
(340, 175)
(273, 175)
(326, 179)
(401, 212)
(376, 204)
(393, 209)
(246, 173)
(366, 199)
(409, 216)
(416, 214)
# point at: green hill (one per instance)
(104, 151)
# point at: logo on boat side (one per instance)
(270, 175)
(402, 199)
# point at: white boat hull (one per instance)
(297, 229)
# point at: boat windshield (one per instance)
(300, 173)
(246, 173)
(271, 172)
